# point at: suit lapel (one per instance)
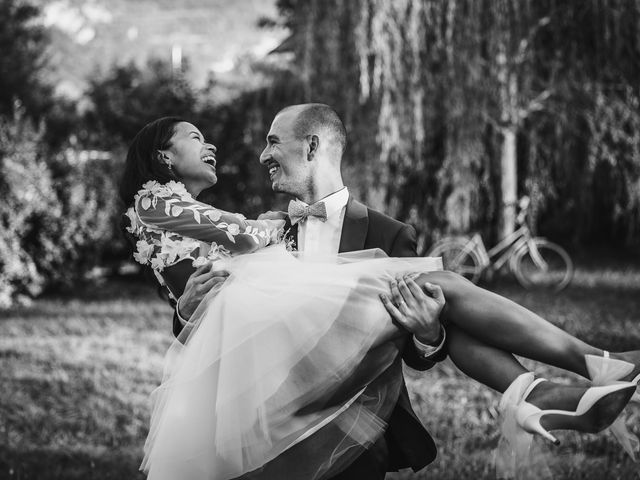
(354, 227)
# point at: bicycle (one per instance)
(535, 261)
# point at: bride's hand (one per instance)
(271, 215)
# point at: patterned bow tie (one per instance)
(299, 212)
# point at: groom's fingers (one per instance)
(206, 286)
(206, 274)
(199, 281)
(201, 270)
(407, 295)
(396, 316)
(435, 291)
(413, 286)
(220, 273)
(396, 296)
(205, 279)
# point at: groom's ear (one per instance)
(314, 143)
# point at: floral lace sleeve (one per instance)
(170, 208)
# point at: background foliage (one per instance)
(431, 89)
(438, 96)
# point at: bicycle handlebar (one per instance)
(523, 207)
(524, 203)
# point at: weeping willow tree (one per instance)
(580, 154)
(454, 108)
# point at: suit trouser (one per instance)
(371, 465)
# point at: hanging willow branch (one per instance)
(428, 89)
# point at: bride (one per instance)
(294, 362)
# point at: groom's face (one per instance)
(286, 157)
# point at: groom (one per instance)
(305, 145)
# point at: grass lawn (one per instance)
(76, 372)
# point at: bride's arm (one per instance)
(205, 223)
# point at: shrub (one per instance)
(58, 214)
(28, 203)
(86, 224)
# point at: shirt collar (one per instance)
(335, 201)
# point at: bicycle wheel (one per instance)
(459, 258)
(544, 265)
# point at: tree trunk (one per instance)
(508, 181)
(509, 120)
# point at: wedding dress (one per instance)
(290, 370)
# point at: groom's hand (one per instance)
(198, 285)
(416, 309)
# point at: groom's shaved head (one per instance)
(317, 118)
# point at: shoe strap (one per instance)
(604, 370)
(513, 395)
(636, 379)
(533, 385)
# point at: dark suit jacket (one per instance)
(408, 442)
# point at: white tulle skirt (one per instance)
(290, 370)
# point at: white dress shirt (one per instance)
(316, 236)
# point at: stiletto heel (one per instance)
(604, 371)
(597, 409)
(528, 416)
(514, 446)
(532, 425)
(584, 418)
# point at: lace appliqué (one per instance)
(160, 248)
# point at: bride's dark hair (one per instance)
(142, 163)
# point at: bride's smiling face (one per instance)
(191, 158)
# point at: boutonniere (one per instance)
(289, 242)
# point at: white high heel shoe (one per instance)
(583, 418)
(521, 419)
(605, 370)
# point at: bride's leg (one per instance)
(488, 365)
(501, 323)
(498, 369)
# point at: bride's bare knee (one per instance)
(448, 281)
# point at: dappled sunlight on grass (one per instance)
(76, 378)
(460, 412)
(628, 279)
(77, 372)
